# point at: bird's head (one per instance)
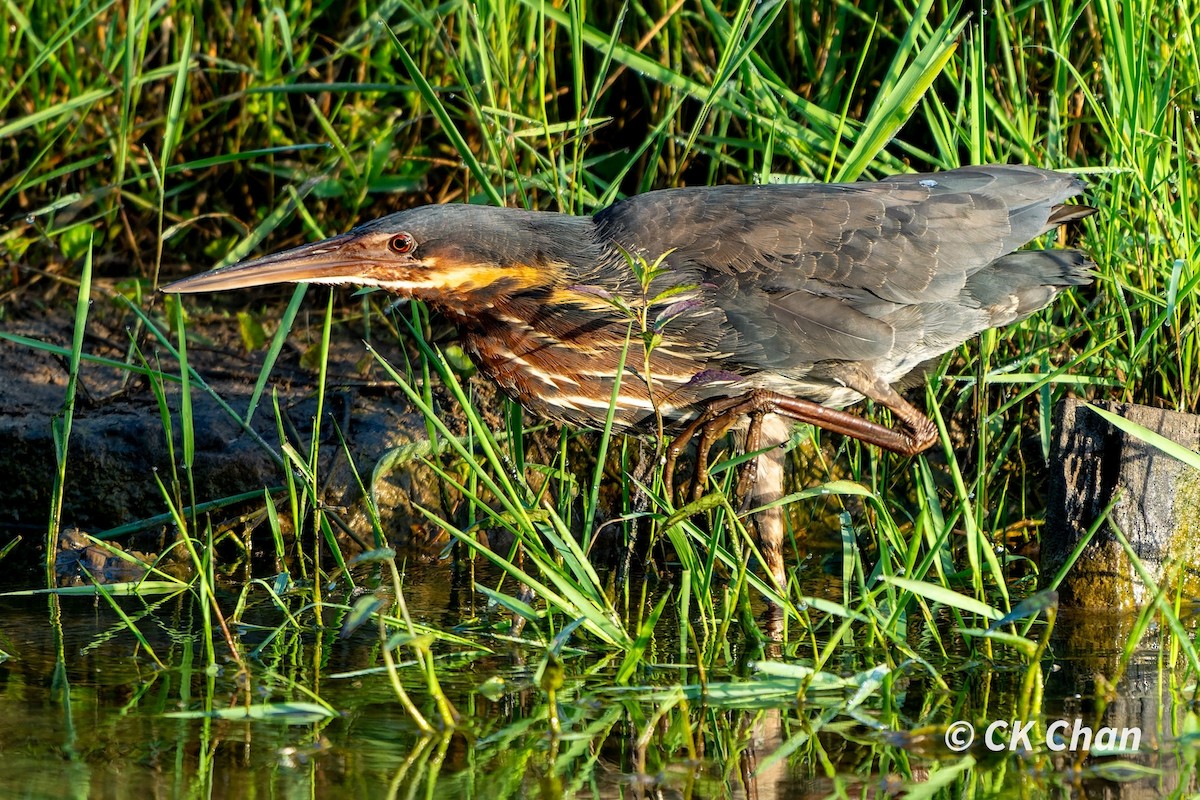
(455, 256)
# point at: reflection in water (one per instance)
(84, 713)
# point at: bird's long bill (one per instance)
(319, 262)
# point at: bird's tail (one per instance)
(1016, 285)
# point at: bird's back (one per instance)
(886, 274)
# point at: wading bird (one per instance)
(769, 302)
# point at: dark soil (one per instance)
(119, 444)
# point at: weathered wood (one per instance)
(1157, 506)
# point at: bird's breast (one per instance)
(566, 364)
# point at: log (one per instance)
(1157, 506)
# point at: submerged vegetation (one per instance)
(591, 621)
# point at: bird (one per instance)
(775, 302)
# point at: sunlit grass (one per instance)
(154, 142)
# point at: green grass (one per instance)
(143, 142)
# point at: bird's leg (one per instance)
(764, 481)
(526, 595)
(921, 431)
(724, 418)
(748, 474)
(917, 431)
(676, 448)
(764, 486)
(715, 422)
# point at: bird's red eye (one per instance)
(402, 243)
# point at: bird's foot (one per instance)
(715, 421)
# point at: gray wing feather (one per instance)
(809, 267)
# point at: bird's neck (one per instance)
(570, 268)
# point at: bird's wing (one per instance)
(795, 263)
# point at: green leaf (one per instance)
(74, 240)
(254, 336)
(1155, 440)
(360, 614)
(288, 713)
(948, 597)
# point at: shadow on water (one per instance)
(88, 713)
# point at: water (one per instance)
(84, 712)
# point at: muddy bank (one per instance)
(119, 443)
